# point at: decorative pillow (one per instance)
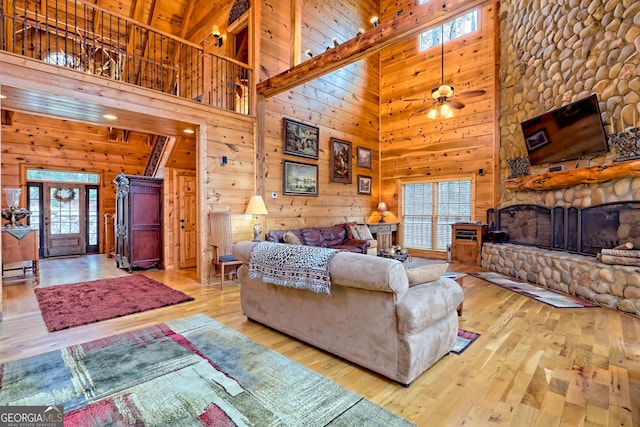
(363, 232)
(426, 273)
(350, 229)
(291, 238)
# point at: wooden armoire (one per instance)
(138, 222)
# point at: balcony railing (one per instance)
(88, 39)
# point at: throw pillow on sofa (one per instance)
(359, 231)
(426, 273)
(291, 238)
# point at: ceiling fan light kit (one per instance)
(443, 104)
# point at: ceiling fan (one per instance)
(443, 95)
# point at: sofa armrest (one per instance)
(427, 303)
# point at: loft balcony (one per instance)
(85, 38)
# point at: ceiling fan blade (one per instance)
(470, 93)
(455, 104)
(417, 99)
(423, 109)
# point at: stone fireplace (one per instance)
(556, 248)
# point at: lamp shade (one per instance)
(256, 206)
(382, 207)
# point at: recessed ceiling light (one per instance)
(189, 131)
(3, 96)
(110, 117)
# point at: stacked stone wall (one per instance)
(556, 52)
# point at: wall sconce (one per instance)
(360, 32)
(374, 21)
(308, 53)
(215, 32)
(335, 41)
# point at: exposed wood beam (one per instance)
(387, 33)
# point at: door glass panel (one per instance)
(34, 206)
(65, 210)
(92, 217)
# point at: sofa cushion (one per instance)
(291, 238)
(312, 237)
(333, 236)
(426, 273)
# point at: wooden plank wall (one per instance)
(343, 104)
(36, 141)
(414, 147)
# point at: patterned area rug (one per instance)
(538, 293)
(190, 371)
(464, 340)
(67, 306)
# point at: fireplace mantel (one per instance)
(570, 178)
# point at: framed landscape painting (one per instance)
(300, 179)
(340, 161)
(364, 184)
(364, 158)
(300, 139)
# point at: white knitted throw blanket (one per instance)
(293, 266)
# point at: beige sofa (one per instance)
(371, 316)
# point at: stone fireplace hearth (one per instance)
(556, 248)
(613, 286)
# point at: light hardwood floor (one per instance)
(534, 365)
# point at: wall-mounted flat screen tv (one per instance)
(567, 133)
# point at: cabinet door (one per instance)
(145, 224)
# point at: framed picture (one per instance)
(340, 161)
(300, 139)
(364, 158)
(364, 184)
(300, 179)
(537, 140)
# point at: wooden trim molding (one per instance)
(570, 178)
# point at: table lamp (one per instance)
(256, 207)
(382, 208)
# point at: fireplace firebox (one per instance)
(578, 230)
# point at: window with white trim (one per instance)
(453, 29)
(429, 209)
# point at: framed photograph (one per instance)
(340, 161)
(364, 184)
(536, 140)
(364, 158)
(300, 139)
(300, 179)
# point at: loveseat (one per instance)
(333, 237)
(371, 317)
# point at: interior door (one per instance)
(64, 219)
(187, 230)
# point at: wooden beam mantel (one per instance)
(570, 178)
(387, 33)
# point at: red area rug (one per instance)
(67, 306)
